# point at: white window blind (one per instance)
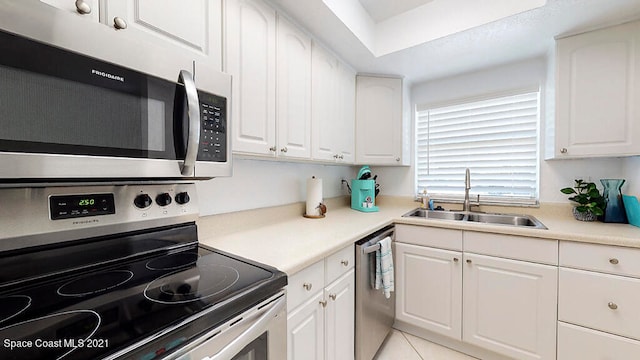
(497, 139)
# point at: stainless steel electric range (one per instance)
(116, 272)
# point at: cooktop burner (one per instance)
(95, 283)
(171, 295)
(79, 327)
(11, 306)
(194, 284)
(173, 261)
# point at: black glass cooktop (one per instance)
(91, 311)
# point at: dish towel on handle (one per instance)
(384, 267)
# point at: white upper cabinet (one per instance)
(251, 61)
(379, 120)
(332, 115)
(86, 9)
(293, 85)
(598, 93)
(191, 26)
(159, 37)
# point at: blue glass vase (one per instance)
(614, 210)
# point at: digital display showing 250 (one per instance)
(86, 202)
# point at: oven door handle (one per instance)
(258, 328)
(193, 112)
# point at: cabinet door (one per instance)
(345, 126)
(598, 93)
(250, 59)
(75, 8)
(429, 289)
(340, 318)
(305, 331)
(188, 26)
(324, 68)
(510, 306)
(294, 91)
(378, 121)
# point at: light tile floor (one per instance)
(403, 346)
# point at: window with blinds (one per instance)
(497, 139)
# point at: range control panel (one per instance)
(75, 206)
(213, 129)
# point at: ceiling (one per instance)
(526, 35)
(381, 10)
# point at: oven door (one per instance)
(259, 333)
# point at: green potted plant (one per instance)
(590, 203)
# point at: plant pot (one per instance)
(583, 216)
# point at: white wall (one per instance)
(554, 174)
(262, 183)
(632, 175)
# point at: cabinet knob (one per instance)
(273, 149)
(335, 156)
(612, 305)
(323, 303)
(119, 23)
(563, 150)
(284, 149)
(614, 261)
(345, 262)
(307, 286)
(468, 261)
(398, 159)
(333, 297)
(341, 157)
(456, 259)
(82, 7)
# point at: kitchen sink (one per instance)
(478, 217)
(432, 214)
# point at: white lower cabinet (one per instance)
(599, 292)
(510, 306)
(481, 300)
(321, 312)
(429, 288)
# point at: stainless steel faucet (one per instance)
(467, 185)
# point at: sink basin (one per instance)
(432, 214)
(478, 217)
(506, 219)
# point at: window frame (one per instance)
(484, 199)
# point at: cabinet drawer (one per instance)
(600, 301)
(603, 258)
(304, 284)
(543, 251)
(575, 342)
(339, 263)
(429, 236)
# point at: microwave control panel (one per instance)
(213, 128)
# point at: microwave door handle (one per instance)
(193, 112)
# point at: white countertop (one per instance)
(283, 238)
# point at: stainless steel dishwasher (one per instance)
(374, 312)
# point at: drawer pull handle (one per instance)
(345, 262)
(333, 297)
(323, 303)
(612, 306)
(614, 261)
(307, 286)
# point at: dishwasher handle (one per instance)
(371, 244)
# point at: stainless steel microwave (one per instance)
(65, 116)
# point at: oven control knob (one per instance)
(142, 201)
(182, 198)
(163, 199)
